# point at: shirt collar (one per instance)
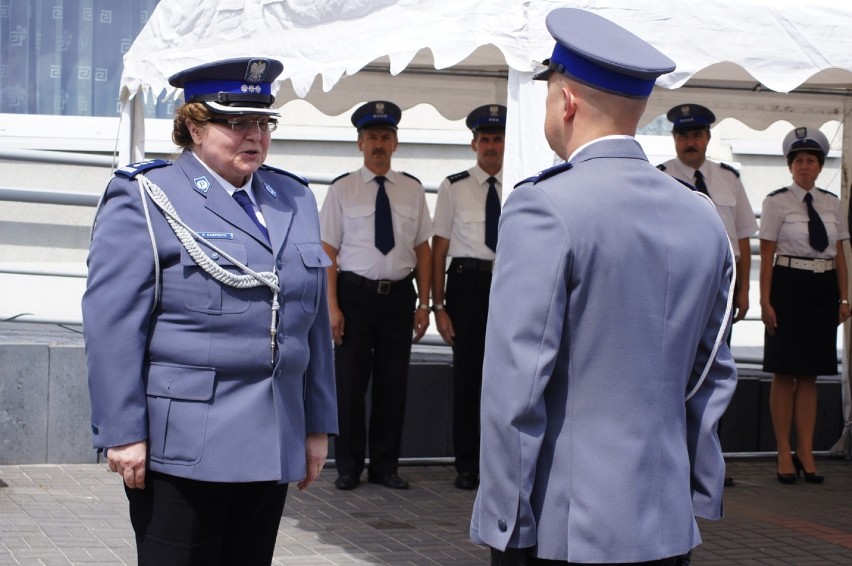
(690, 172)
(587, 144)
(367, 175)
(799, 191)
(227, 185)
(481, 175)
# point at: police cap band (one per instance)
(491, 117)
(801, 139)
(377, 113)
(599, 53)
(685, 117)
(231, 86)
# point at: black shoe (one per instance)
(467, 480)
(810, 477)
(729, 482)
(392, 481)
(788, 479)
(346, 482)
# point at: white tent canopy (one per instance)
(759, 61)
(460, 53)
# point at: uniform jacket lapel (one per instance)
(276, 207)
(218, 201)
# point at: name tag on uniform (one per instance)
(217, 235)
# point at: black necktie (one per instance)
(384, 220)
(244, 201)
(816, 229)
(492, 214)
(699, 183)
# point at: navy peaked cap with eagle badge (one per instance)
(377, 114)
(601, 54)
(685, 117)
(491, 117)
(231, 86)
(800, 139)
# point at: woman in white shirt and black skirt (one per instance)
(803, 297)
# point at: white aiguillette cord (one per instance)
(188, 237)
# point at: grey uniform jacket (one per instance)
(611, 285)
(193, 374)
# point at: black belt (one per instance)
(459, 263)
(380, 286)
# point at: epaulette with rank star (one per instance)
(552, 172)
(731, 169)
(661, 166)
(130, 171)
(411, 176)
(336, 179)
(777, 192)
(458, 176)
(298, 178)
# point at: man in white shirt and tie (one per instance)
(375, 228)
(466, 216)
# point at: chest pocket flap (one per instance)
(313, 255)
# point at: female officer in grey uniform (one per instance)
(207, 331)
(803, 297)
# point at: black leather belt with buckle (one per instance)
(380, 286)
(459, 263)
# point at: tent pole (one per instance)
(844, 445)
(131, 132)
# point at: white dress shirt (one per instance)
(347, 222)
(784, 220)
(460, 213)
(727, 193)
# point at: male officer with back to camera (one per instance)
(376, 229)
(721, 182)
(465, 223)
(606, 368)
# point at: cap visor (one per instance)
(237, 110)
(544, 73)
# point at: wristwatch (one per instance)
(438, 307)
(423, 307)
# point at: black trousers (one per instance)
(183, 522)
(523, 557)
(376, 346)
(467, 304)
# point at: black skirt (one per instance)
(806, 308)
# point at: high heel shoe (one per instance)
(788, 479)
(810, 477)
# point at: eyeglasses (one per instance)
(243, 126)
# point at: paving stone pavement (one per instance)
(77, 514)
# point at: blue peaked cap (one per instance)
(601, 54)
(686, 117)
(491, 117)
(231, 86)
(377, 113)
